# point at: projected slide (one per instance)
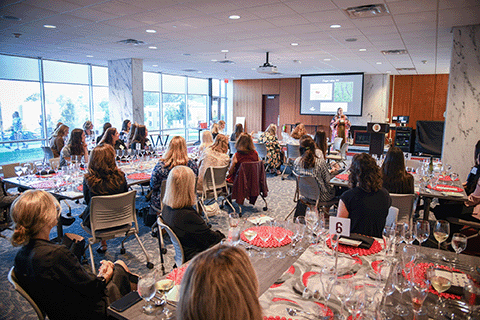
(324, 94)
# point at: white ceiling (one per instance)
(190, 34)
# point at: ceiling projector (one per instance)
(267, 69)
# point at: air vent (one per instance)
(394, 52)
(405, 69)
(189, 70)
(226, 61)
(368, 11)
(11, 18)
(131, 42)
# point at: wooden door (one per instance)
(270, 110)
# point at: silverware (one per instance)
(294, 312)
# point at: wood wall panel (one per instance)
(402, 95)
(423, 92)
(247, 102)
(271, 86)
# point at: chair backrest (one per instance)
(392, 216)
(308, 187)
(54, 162)
(404, 203)
(231, 144)
(47, 153)
(179, 255)
(214, 179)
(343, 150)
(261, 149)
(337, 143)
(9, 170)
(112, 211)
(293, 151)
(13, 280)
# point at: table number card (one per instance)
(340, 226)
(458, 279)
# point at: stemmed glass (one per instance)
(233, 221)
(18, 171)
(146, 289)
(280, 234)
(418, 292)
(409, 235)
(408, 254)
(459, 243)
(388, 236)
(343, 289)
(311, 219)
(400, 229)
(471, 293)
(422, 231)
(265, 234)
(402, 285)
(441, 231)
(384, 270)
(300, 226)
(441, 280)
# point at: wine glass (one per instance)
(18, 171)
(265, 233)
(311, 219)
(471, 293)
(441, 280)
(280, 233)
(146, 289)
(343, 290)
(388, 236)
(402, 285)
(300, 226)
(418, 292)
(422, 231)
(409, 235)
(400, 229)
(441, 231)
(459, 243)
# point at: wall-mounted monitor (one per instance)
(323, 94)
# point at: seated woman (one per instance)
(76, 147)
(298, 132)
(88, 129)
(180, 215)
(176, 155)
(105, 127)
(214, 156)
(308, 164)
(207, 141)
(57, 141)
(367, 203)
(102, 178)
(125, 130)
(112, 137)
(321, 145)
(245, 153)
(237, 133)
(131, 135)
(215, 129)
(220, 284)
(221, 127)
(274, 152)
(395, 178)
(51, 274)
(140, 140)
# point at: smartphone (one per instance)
(126, 301)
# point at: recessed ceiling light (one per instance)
(335, 26)
(254, 69)
(152, 47)
(379, 63)
(199, 72)
(155, 65)
(89, 56)
(214, 60)
(327, 59)
(49, 26)
(362, 50)
(174, 26)
(225, 50)
(294, 44)
(389, 71)
(150, 31)
(234, 17)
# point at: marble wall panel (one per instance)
(375, 100)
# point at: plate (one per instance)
(164, 285)
(45, 176)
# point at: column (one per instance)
(462, 129)
(125, 81)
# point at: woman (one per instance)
(237, 133)
(76, 147)
(245, 153)
(103, 178)
(112, 137)
(321, 145)
(274, 152)
(88, 129)
(51, 274)
(220, 284)
(215, 129)
(125, 130)
(308, 164)
(367, 203)
(207, 141)
(58, 140)
(140, 141)
(395, 178)
(221, 126)
(176, 155)
(214, 156)
(131, 135)
(297, 133)
(180, 215)
(105, 127)
(340, 125)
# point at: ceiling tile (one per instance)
(290, 20)
(94, 15)
(117, 8)
(411, 6)
(302, 6)
(125, 23)
(53, 5)
(459, 17)
(269, 11)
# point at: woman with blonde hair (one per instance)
(58, 140)
(214, 156)
(88, 129)
(77, 146)
(207, 141)
(51, 274)
(180, 215)
(215, 129)
(102, 178)
(176, 155)
(274, 152)
(245, 153)
(220, 284)
(221, 126)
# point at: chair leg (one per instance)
(266, 205)
(161, 246)
(69, 214)
(283, 173)
(92, 262)
(290, 213)
(229, 203)
(149, 264)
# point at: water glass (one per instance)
(146, 290)
(459, 243)
(441, 231)
(422, 231)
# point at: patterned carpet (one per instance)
(13, 306)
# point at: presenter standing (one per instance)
(340, 125)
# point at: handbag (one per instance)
(212, 209)
(76, 244)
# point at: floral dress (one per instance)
(274, 152)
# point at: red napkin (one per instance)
(446, 178)
(271, 242)
(445, 188)
(177, 274)
(375, 248)
(80, 188)
(139, 176)
(342, 176)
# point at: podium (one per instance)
(377, 137)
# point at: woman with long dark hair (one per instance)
(76, 147)
(367, 203)
(102, 178)
(57, 141)
(237, 133)
(106, 125)
(131, 135)
(321, 145)
(112, 137)
(245, 153)
(395, 178)
(125, 130)
(140, 139)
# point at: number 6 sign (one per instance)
(340, 226)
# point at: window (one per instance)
(101, 113)
(173, 84)
(64, 72)
(197, 114)
(151, 110)
(174, 112)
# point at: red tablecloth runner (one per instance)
(342, 176)
(445, 188)
(45, 176)
(80, 188)
(271, 242)
(139, 176)
(375, 248)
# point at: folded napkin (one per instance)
(445, 188)
(446, 178)
(366, 241)
(342, 176)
